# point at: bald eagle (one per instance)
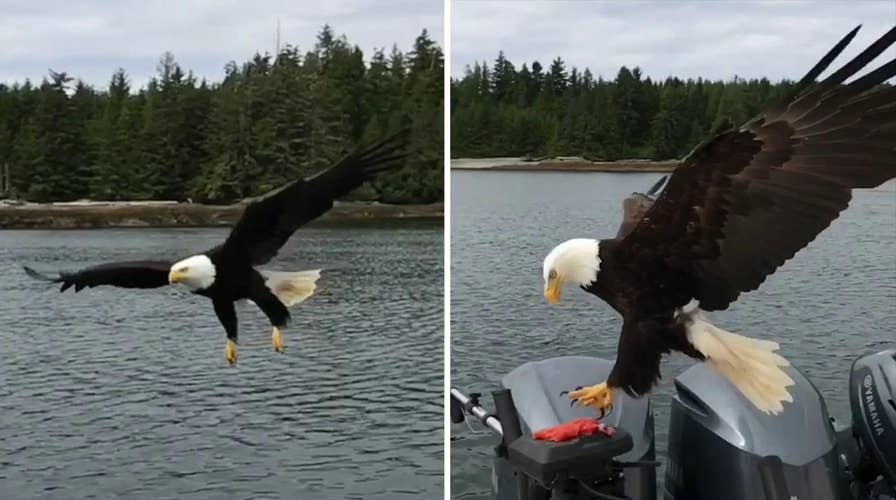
(735, 209)
(227, 273)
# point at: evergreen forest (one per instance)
(532, 111)
(268, 121)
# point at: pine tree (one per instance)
(110, 177)
(557, 77)
(503, 78)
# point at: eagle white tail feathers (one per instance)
(751, 365)
(291, 287)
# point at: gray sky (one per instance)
(89, 39)
(714, 39)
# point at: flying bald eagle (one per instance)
(227, 273)
(733, 211)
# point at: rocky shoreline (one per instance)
(563, 164)
(85, 215)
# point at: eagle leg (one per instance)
(227, 316)
(599, 396)
(230, 352)
(277, 340)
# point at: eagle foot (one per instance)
(277, 340)
(230, 352)
(599, 396)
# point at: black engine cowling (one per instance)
(872, 395)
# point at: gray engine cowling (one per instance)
(717, 440)
(536, 388)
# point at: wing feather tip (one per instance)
(38, 275)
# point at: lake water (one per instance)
(114, 393)
(834, 301)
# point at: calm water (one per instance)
(125, 394)
(833, 301)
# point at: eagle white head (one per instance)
(196, 272)
(575, 261)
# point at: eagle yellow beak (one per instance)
(552, 290)
(175, 276)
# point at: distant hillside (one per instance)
(504, 109)
(269, 120)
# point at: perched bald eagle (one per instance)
(733, 211)
(227, 273)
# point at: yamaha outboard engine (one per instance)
(872, 397)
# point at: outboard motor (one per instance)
(720, 445)
(872, 397)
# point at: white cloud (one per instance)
(715, 39)
(91, 38)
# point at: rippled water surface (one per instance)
(113, 393)
(832, 302)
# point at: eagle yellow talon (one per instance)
(599, 396)
(277, 339)
(230, 352)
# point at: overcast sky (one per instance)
(89, 39)
(714, 39)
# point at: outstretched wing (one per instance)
(136, 274)
(269, 221)
(748, 199)
(635, 206)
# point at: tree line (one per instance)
(270, 120)
(533, 111)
